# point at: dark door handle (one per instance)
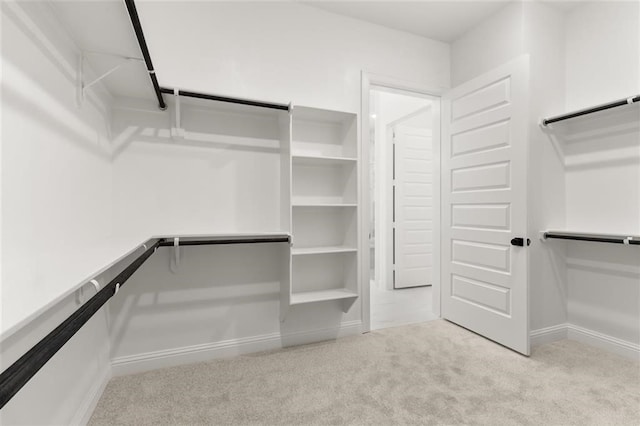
(520, 242)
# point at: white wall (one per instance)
(493, 42)
(47, 143)
(543, 30)
(56, 193)
(283, 51)
(224, 176)
(602, 157)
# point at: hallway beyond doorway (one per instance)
(391, 308)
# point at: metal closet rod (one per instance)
(598, 238)
(169, 243)
(20, 372)
(621, 102)
(208, 97)
(137, 27)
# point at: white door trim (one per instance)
(369, 80)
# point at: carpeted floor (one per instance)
(430, 373)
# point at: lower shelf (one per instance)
(321, 296)
(297, 251)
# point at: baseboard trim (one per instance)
(584, 335)
(89, 403)
(548, 334)
(137, 363)
(600, 340)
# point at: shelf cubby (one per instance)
(319, 182)
(323, 277)
(317, 227)
(324, 133)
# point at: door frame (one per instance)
(369, 81)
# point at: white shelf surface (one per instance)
(322, 250)
(321, 296)
(305, 204)
(322, 160)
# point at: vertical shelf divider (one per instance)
(286, 207)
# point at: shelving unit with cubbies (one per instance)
(324, 207)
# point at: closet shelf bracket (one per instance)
(177, 132)
(82, 86)
(175, 260)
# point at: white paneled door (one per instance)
(484, 205)
(413, 207)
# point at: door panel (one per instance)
(413, 201)
(484, 183)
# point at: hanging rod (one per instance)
(208, 97)
(20, 372)
(627, 101)
(168, 242)
(598, 238)
(137, 27)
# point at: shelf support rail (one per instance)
(621, 102)
(598, 238)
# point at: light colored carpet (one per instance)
(430, 373)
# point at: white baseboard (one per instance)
(603, 341)
(138, 363)
(90, 401)
(548, 334)
(589, 337)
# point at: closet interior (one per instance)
(177, 187)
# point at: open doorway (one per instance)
(403, 130)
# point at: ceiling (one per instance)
(439, 20)
(104, 25)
